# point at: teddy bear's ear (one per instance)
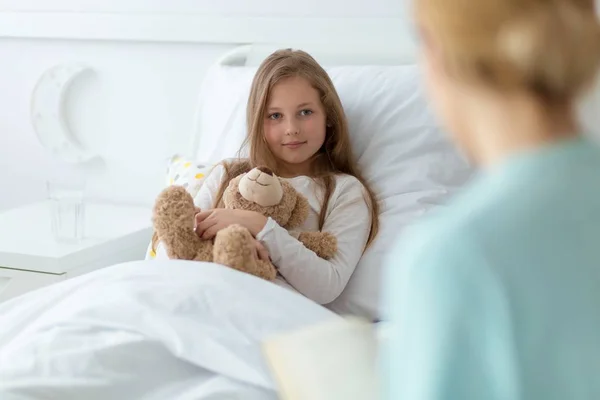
(299, 214)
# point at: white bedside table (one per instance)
(30, 257)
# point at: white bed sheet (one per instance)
(147, 330)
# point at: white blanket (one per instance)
(147, 330)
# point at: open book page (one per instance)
(336, 360)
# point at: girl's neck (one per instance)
(519, 124)
(289, 171)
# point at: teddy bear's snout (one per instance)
(262, 187)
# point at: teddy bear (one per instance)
(257, 190)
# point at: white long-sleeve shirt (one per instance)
(348, 218)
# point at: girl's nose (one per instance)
(291, 129)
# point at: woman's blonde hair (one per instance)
(335, 156)
(550, 48)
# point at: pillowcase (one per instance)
(184, 172)
(406, 158)
(220, 126)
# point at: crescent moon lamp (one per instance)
(48, 115)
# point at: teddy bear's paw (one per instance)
(324, 244)
(234, 247)
(174, 206)
(328, 245)
(266, 270)
(173, 221)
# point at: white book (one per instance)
(336, 360)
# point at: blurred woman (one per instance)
(497, 295)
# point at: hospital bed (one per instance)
(153, 329)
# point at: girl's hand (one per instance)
(261, 252)
(208, 223)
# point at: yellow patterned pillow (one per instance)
(185, 172)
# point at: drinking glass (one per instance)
(67, 210)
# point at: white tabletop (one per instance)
(27, 242)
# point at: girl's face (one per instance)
(295, 124)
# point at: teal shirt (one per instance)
(497, 295)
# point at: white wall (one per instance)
(131, 93)
(313, 8)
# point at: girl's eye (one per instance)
(306, 113)
(275, 116)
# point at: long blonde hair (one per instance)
(550, 48)
(335, 156)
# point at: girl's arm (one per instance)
(349, 220)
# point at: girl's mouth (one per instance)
(293, 145)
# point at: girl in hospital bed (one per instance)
(497, 296)
(297, 128)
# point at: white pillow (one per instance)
(403, 154)
(221, 121)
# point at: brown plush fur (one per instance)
(173, 219)
(290, 213)
(322, 243)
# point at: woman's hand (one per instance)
(208, 223)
